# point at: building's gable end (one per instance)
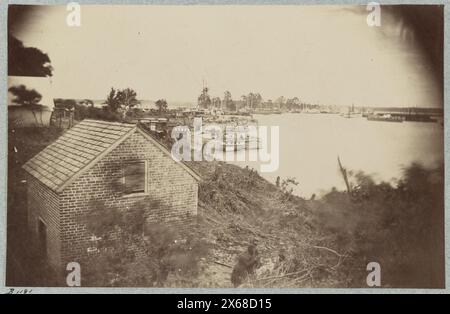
(167, 154)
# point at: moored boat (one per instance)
(384, 118)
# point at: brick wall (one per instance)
(43, 204)
(172, 192)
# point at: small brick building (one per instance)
(99, 162)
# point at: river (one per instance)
(310, 144)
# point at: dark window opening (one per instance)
(134, 177)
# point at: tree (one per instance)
(216, 102)
(204, 101)
(28, 98)
(292, 103)
(121, 99)
(252, 100)
(27, 61)
(66, 103)
(228, 101)
(402, 225)
(127, 100)
(161, 104)
(280, 102)
(258, 100)
(227, 96)
(287, 187)
(245, 100)
(111, 100)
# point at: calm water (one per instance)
(310, 144)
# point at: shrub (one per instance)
(400, 227)
(135, 252)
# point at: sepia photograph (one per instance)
(225, 146)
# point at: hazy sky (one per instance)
(320, 54)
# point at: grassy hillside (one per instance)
(329, 242)
(240, 207)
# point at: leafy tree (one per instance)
(287, 187)
(112, 101)
(204, 101)
(27, 61)
(245, 100)
(24, 96)
(66, 103)
(228, 101)
(161, 104)
(126, 99)
(252, 100)
(257, 100)
(401, 227)
(216, 102)
(280, 102)
(28, 98)
(121, 99)
(293, 103)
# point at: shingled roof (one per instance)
(77, 149)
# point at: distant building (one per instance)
(109, 163)
(146, 105)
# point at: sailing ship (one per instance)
(351, 113)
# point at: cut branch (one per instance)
(328, 249)
(344, 175)
(285, 275)
(222, 264)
